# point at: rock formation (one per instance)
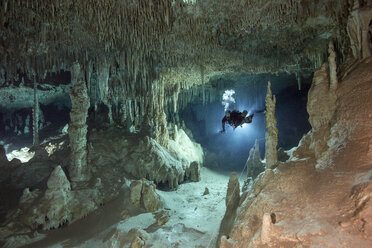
(77, 128)
(339, 216)
(193, 172)
(134, 60)
(232, 203)
(332, 66)
(272, 131)
(143, 195)
(359, 30)
(57, 206)
(254, 164)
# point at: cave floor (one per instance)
(194, 219)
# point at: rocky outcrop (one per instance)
(272, 131)
(57, 206)
(169, 166)
(232, 203)
(143, 195)
(279, 209)
(77, 128)
(193, 172)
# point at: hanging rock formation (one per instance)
(78, 128)
(272, 131)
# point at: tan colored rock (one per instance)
(321, 103)
(332, 66)
(150, 199)
(143, 194)
(362, 216)
(232, 202)
(226, 243)
(162, 217)
(136, 192)
(137, 243)
(271, 129)
(358, 28)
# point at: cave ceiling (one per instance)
(177, 40)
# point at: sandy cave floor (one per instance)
(194, 219)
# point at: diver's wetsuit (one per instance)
(236, 119)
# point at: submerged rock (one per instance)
(143, 194)
(254, 164)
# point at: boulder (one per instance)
(143, 194)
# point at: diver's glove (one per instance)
(222, 131)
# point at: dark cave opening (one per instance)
(229, 151)
(16, 126)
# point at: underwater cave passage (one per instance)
(229, 151)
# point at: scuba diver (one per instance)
(235, 119)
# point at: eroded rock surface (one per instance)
(297, 204)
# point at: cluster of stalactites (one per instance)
(67, 31)
(170, 32)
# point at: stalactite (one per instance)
(272, 130)
(298, 77)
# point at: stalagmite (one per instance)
(332, 66)
(254, 165)
(272, 130)
(35, 116)
(232, 203)
(77, 129)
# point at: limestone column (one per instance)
(272, 131)
(332, 66)
(77, 129)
